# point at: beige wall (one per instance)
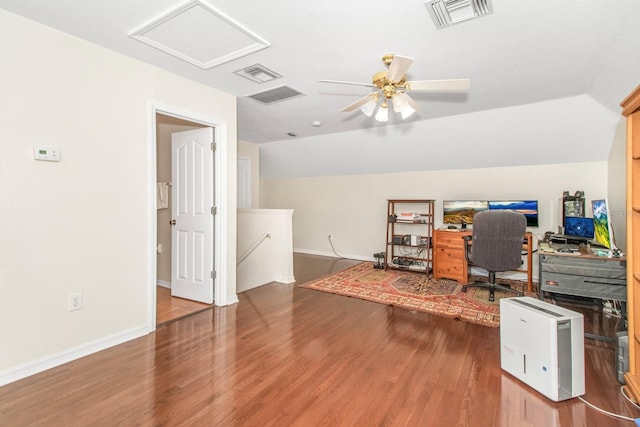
(352, 208)
(85, 224)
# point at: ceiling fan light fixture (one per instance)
(407, 112)
(446, 13)
(391, 86)
(383, 113)
(369, 107)
(399, 101)
(401, 105)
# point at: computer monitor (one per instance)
(529, 208)
(462, 211)
(579, 227)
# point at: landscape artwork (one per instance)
(462, 211)
(601, 222)
(529, 208)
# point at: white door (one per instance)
(192, 216)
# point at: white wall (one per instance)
(352, 208)
(265, 247)
(85, 224)
(569, 130)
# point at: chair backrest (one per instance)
(497, 240)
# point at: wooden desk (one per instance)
(449, 261)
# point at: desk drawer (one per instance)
(449, 240)
(451, 268)
(443, 253)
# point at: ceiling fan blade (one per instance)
(347, 83)
(439, 85)
(360, 102)
(398, 67)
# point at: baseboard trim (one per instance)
(40, 365)
(163, 284)
(286, 279)
(332, 255)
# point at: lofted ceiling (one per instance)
(525, 52)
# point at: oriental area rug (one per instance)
(416, 291)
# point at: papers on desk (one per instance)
(573, 250)
(544, 247)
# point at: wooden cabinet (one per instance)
(409, 234)
(448, 256)
(631, 110)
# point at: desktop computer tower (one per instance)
(542, 345)
(622, 355)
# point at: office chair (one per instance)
(497, 238)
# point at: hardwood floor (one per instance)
(169, 309)
(289, 356)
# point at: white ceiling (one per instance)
(524, 52)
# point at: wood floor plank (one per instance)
(286, 355)
(170, 308)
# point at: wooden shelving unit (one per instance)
(410, 235)
(631, 110)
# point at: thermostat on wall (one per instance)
(46, 153)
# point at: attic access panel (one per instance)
(199, 34)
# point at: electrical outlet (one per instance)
(74, 301)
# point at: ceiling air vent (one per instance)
(274, 95)
(258, 73)
(446, 13)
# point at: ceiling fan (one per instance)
(392, 86)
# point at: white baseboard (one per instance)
(163, 284)
(31, 368)
(332, 255)
(280, 278)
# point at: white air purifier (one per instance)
(542, 345)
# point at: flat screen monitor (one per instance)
(462, 211)
(529, 208)
(579, 227)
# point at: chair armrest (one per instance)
(466, 240)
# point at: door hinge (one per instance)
(213, 274)
(214, 210)
(213, 146)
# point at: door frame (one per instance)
(221, 220)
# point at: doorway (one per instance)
(168, 308)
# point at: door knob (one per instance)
(172, 222)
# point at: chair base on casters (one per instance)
(491, 285)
